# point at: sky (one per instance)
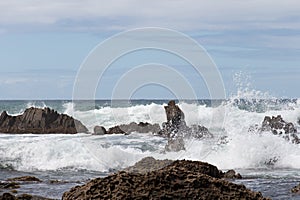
(255, 44)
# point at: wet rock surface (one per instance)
(277, 126)
(230, 174)
(40, 121)
(176, 130)
(25, 179)
(178, 180)
(142, 127)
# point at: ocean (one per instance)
(63, 161)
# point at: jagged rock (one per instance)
(179, 180)
(142, 127)
(176, 130)
(175, 116)
(25, 179)
(99, 130)
(40, 121)
(296, 189)
(231, 174)
(277, 126)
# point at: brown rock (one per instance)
(174, 113)
(7, 196)
(9, 185)
(115, 130)
(40, 121)
(25, 179)
(142, 127)
(179, 180)
(231, 174)
(148, 164)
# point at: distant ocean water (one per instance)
(74, 159)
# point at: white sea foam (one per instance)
(239, 150)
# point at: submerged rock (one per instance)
(178, 180)
(25, 179)
(40, 121)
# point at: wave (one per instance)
(229, 121)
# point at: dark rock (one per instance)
(179, 180)
(115, 130)
(99, 130)
(7, 196)
(142, 127)
(296, 189)
(25, 179)
(40, 121)
(9, 185)
(231, 174)
(176, 130)
(277, 126)
(174, 114)
(25, 197)
(148, 164)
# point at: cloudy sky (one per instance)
(254, 43)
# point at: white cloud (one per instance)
(177, 14)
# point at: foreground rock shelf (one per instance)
(179, 180)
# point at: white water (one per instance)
(101, 153)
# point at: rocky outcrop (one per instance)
(277, 126)
(142, 127)
(40, 121)
(176, 130)
(178, 180)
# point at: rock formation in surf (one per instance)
(175, 129)
(40, 121)
(142, 127)
(277, 126)
(178, 180)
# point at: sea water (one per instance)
(63, 161)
